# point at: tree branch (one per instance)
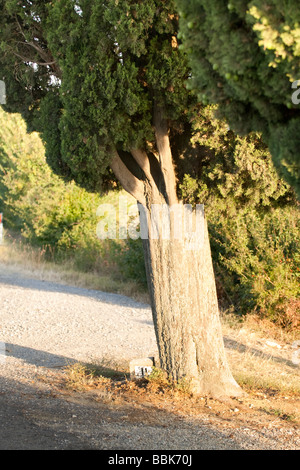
(25, 59)
(45, 54)
(165, 154)
(142, 160)
(130, 183)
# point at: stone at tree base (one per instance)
(141, 367)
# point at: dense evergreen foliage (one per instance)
(235, 171)
(116, 59)
(245, 56)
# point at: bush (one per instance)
(257, 258)
(253, 220)
(129, 257)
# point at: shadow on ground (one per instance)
(31, 419)
(48, 286)
(242, 348)
(48, 360)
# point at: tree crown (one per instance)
(115, 61)
(244, 57)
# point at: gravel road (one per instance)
(45, 326)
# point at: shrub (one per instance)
(129, 257)
(257, 257)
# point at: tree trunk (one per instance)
(180, 274)
(185, 312)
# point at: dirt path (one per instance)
(45, 326)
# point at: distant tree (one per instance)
(245, 57)
(104, 82)
(22, 169)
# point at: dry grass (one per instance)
(262, 408)
(32, 261)
(261, 365)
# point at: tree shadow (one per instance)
(34, 419)
(28, 421)
(19, 280)
(49, 360)
(37, 357)
(242, 348)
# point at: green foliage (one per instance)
(244, 57)
(60, 217)
(22, 44)
(234, 173)
(33, 199)
(129, 257)
(257, 258)
(284, 144)
(253, 219)
(114, 61)
(23, 173)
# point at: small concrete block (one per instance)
(142, 367)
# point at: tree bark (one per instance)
(186, 315)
